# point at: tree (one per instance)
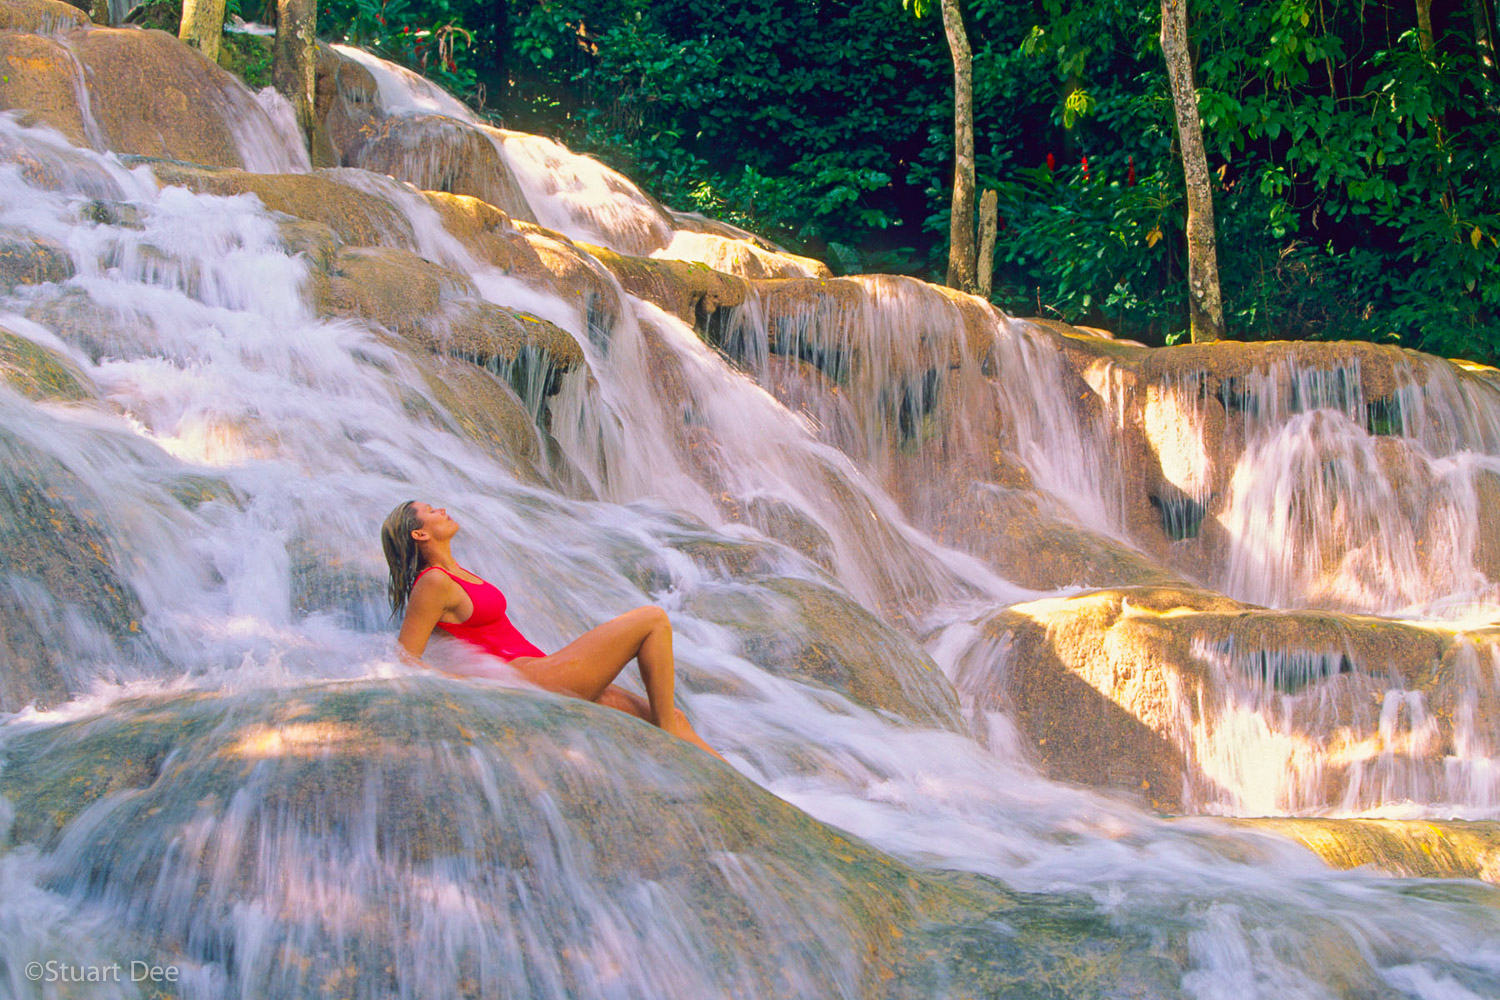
(294, 64)
(203, 26)
(1205, 308)
(962, 264)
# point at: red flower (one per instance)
(1130, 173)
(1085, 168)
(1051, 163)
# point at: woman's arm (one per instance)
(433, 596)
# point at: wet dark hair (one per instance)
(401, 554)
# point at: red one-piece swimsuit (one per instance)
(487, 626)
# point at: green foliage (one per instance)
(1356, 190)
(249, 56)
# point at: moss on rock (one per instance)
(38, 373)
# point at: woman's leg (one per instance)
(630, 704)
(586, 666)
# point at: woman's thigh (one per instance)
(587, 665)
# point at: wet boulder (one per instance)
(161, 98)
(324, 196)
(42, 17)
(494, 818)
(1189, 701)
(690, 291)
(41, 79)
(810, 632)
(39, 373)
(435, 153)
(31, 260)
(440, 310)
(63, 599)
(1405, 848)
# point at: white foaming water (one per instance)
(582, 198)
(241, 452)
(403, 92)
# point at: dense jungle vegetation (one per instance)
(1356, 160)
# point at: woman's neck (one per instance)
(438, 554)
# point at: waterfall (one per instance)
(219, 764)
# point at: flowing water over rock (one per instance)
(930, 570)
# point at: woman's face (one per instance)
(434, 522)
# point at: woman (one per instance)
(430, 590)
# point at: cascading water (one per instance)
(270, 804)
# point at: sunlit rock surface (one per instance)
(1197, 703)
(1410, 848)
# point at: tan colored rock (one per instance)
(691, 292)
(94, 329)
(1487, 497)
(440, 310)
(39, 78)
(738, 251)
(321, 196)
(41, 17)
(391, 286)
(792, 906)
(1406, 848)
(152, 96)
(435, 153)
(315, 241)
(1121, 688)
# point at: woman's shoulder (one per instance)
(434, 579)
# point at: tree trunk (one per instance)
(1424, 24)
(989, 210)
(1204, 305)
(1484, 38)
(203, 26)
(961, 269)
(294, 57)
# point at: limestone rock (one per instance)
(736, 251)
(808, 631)
(435, 153)
(692, 292)
(31, 260)
(41, 17)
(1124, 689)
(517, 809)
(391, 286)
(321, 196)
(38, 373)
(40, 78)
(64, 594)
(1407, 848)
(162, 100)
(440, 309)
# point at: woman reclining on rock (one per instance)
(416, 538)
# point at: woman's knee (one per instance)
(652, 616)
